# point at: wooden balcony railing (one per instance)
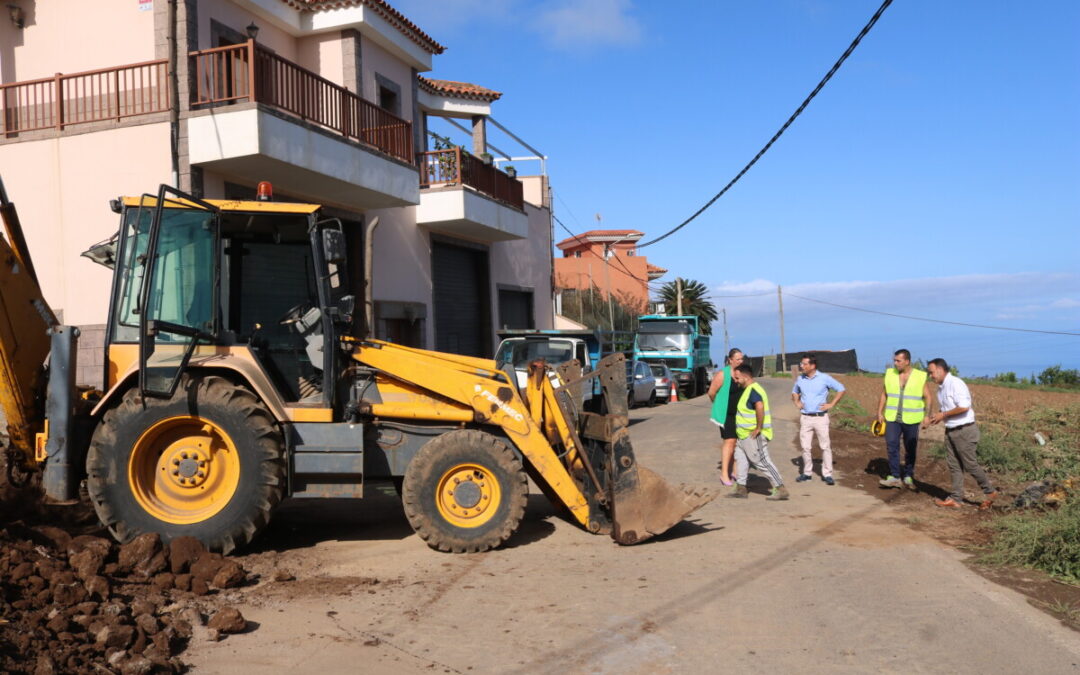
(250, 72)
(459, 167)
(78, 98)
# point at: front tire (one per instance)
(465, 492)
(652, 399)
(208, 463)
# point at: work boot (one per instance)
(778, 494)
(740, 492)
(890, 482)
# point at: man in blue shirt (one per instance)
(811, 396)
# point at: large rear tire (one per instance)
(207, 463)
(465, 492)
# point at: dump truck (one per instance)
(239, 371)
(677, 342)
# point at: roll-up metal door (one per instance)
(461, 300)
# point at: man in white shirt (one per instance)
(961, 435)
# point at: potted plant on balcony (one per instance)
(510, 170)
(486, 158)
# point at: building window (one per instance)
(577, 254)
(388, 94)
(629, 252)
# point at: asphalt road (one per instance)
(833, 580)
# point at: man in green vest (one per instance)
(753, 429)
(903, 404)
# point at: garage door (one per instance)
(461, 300)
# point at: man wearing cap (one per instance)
(961, 435)
(811, 396)
(903, 404)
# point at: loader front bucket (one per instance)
(640, 503)
(643, 504)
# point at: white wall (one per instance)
(62, 187)
(526, 263)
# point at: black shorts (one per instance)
(728, 430)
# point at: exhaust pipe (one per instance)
(369, 303)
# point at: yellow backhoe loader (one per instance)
(237, 375)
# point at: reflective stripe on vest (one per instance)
(909, 402)
(746, 417)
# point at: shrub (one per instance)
(1056, 376)
(1048, 540)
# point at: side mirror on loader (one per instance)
(334, 249)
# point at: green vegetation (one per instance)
(590, 307)
(1047, 539)
(695, 302)
(849, 414)
(1013, 449)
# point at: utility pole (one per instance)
(783, 357)
(607, 277)
(678, 296)
(727, 347)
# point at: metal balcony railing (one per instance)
(460, 167)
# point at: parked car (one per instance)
(664, 381)
(640, 383)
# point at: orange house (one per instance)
(607, 260)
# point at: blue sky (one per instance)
(937, 174)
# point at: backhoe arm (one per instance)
(25, 319)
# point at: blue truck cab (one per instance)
(677, 342)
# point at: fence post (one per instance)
(116, 92)
(58, 100)
(252, 90)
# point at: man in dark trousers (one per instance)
(904, 402)
(961, 436)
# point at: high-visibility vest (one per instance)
(909, 402)
(746, 417)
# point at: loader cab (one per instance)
(228, 279)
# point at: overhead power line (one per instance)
(919, 318)
(790, 120)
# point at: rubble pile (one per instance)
(83, 604)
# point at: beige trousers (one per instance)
(809, 426)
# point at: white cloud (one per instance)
(589, 23)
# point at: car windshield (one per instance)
(658, 371)
(663, 342)
(521, 352)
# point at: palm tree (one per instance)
(694, 302)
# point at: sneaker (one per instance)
(948, 503)
(803, 478)
(829, 480)
(890, 482)
(740, 492)
(909, 483)
(778, 494)
(988, 500)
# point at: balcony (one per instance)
(463, 195)
(304, 133)
(251, 114)
(61, 101)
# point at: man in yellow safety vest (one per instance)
(903, 404)
(753, 429)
